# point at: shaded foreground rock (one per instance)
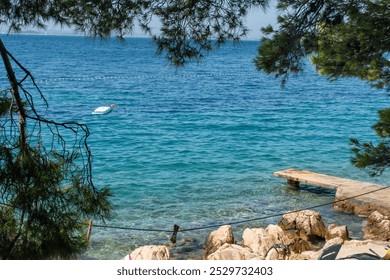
(354, 247)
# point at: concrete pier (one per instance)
(361, 193)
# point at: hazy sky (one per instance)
(255, 21)
(258, 19)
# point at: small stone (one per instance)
(337, 231)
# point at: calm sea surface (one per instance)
(198, 146)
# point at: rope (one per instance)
(148, 77)
(134, 229)
(234, 222)
(250, 220)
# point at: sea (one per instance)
(197, 146)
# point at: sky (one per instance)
(255, 21)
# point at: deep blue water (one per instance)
(198, 146)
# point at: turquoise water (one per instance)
(198, 146)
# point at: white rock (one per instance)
(256, 239)
(217, 238)
(261, 240)
(232, 252)
(150, 253)
(306, 222)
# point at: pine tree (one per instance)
(341, 39)
(374, 158)
(46, 190)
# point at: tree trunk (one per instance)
(16, 95)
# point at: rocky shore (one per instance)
(303, 235)
(298, 236)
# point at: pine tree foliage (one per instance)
(342, 38)
(188, 28)
(46, 190)
(374, 158)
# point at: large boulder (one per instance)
(217, 238)
(260, 241)
(150, 253)
(257, 239)
(377, 227)
(232, 252)
(307, 223)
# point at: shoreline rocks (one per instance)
(298, 236)
(295, 233)
(378, 226)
